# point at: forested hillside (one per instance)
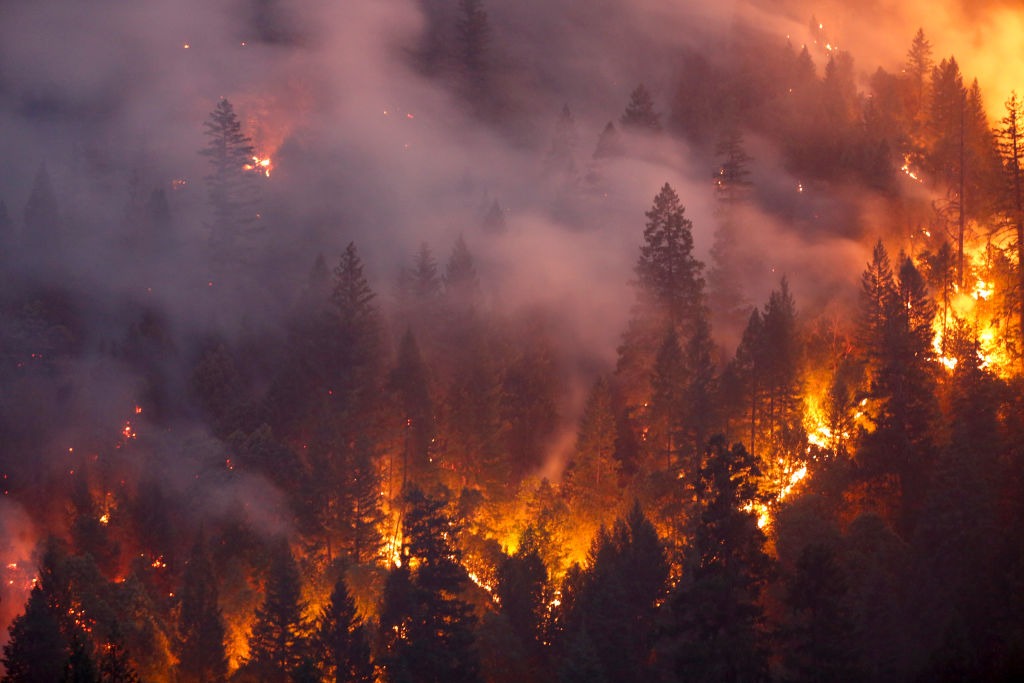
(452, 340)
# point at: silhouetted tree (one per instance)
(426, 628)
(278, 642)
(640, 114)
(201, 655)
(37, 650)
(341, 639)
(231, 186)
(616, 599)
(716, 632)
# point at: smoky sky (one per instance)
(367, 148)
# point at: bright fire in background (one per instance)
(260, 164)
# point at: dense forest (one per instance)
(266, 417)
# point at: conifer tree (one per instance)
(640, 114)
(426, 628)
(1010, 137)
(37, 649)
(592, 476)
(409, 384)
(278, 642)
(732, 185)
(609, 144)
(341, 640)
(668, 276)
(201, 655)
(817, 633)
(521, 592)
(461, 284)
(716, 633)
(624, 583)
(231, 186)
(918, 70)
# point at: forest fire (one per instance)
(638, 426)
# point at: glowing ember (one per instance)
(105, 518)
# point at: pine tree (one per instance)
(426, 629)
(231, 185)
(341, 640)
(351, 294)
(697, 404)
(37, 649)
(411, 390)
(1010, 138)
(668, 276)
(640, 114)
(278, 641)
(732, 185)
(360, 509)
(918, 69)
(896, 319)
(521, 592)
(609, 144)
(782, 344)
(461, 284)
(716, 634)
(592, 476)
(351, 361)
(665, 408)
(616, 599)
(818, 630)
(201, 655)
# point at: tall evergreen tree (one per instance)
(411, 390)
(668, 276)
(816, 635)
(896, 323)
(616, 600)
(201, 655)
(37, 649)
(717, 620)
(732, 186)
(278, 642)
(521, 591)
(461, 284)
(1010, 137)
(640, 114)
(341, 639)
(918, 71)
(592, 476)
(231, 186)
(426, 628)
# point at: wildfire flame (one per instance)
(261, 165)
